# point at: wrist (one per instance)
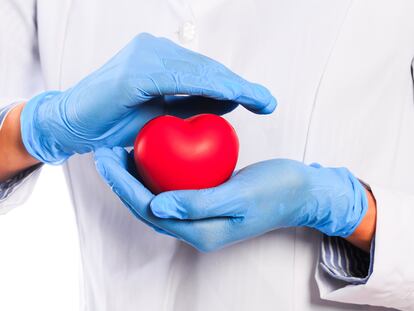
(13, 156)
(364, 233)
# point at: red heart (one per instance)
(194, 153)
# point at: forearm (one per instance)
(13, 155)
(364, 233)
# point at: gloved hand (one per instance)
(259, 198)
(108, 107)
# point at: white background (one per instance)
(39, 253)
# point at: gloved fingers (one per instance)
(161, 231)
(225, 200)
(151, 225)
(187, 72)
(216, 85)
(188, 106)
(205, 235)
(215, 76)
(112, 164)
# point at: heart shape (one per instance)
(194, 153)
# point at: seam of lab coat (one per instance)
(171, 290)
(68, 178)
(325, 66)
(321, 79)
(62, 49)
(69, 183)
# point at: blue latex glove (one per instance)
(108, 107)
(259, 198)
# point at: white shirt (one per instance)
(341, 71)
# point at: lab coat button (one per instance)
(187, 32)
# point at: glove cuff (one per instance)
(340, 199)
(37, 133)
(358, 210)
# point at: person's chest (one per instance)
(324, 60)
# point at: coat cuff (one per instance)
(343, 261)
(391, 283)
(8, 187)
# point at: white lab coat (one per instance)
(341, 70)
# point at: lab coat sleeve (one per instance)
(391, 283)
(14, 192)
(20, 78)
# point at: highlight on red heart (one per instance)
(194, 153)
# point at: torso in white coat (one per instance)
(340, 70)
